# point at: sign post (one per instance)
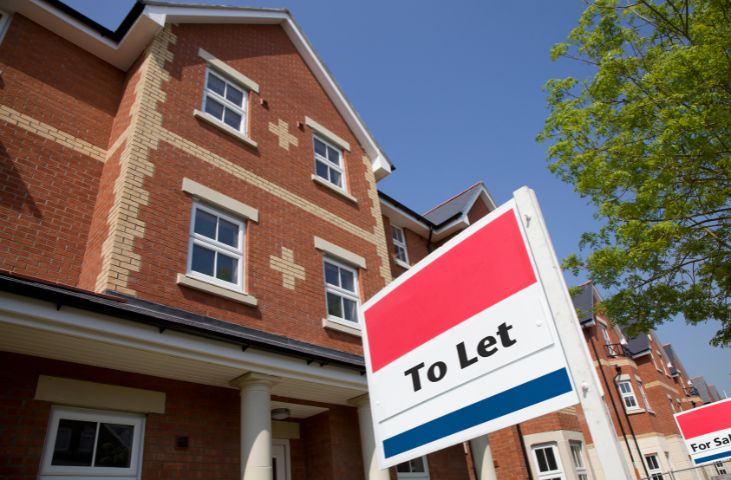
(707, 432)
(479, 336)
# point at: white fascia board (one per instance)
(43, 315)
(457, 225)
(402, 219)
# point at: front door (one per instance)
(280, 460)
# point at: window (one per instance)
(644, 396)
(225, 101)
(216, 251)
(4, 22)
(341, 290)
(399, 244)
(720, 468)
(653, 467)
(88, 442)
(628, 395)
(328, 162)
(413, 469)
(607, 340)
(578, 457)
(547, 462)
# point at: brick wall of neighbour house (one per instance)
(507, 455)
(53, 136)
(171, 144)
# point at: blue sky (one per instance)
(453, 93)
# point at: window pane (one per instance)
(232, 119)
(202, 260)
(400, 253)
(321, 170)
(114, 447)
(347, 280)
(541, 457)
(551, 459)
(336, 178)
(333, 155)
(215, 84)
(235, 96)
(403, 468)
(334, 306)
(397, 236)
(214, 108)
(205, 224)
(226, 268)
(417, 465)
(74, 443)
(331, 274)
(349, 307)
(228, 233)
(320, 147)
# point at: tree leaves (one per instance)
(648, 140)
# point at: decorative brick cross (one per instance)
(290, 270)
(282, 131)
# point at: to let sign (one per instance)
(707, 431)
(463, 344)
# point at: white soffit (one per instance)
(157, 14)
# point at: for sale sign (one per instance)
(707, 431)
(463, 343)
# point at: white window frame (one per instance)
(577, 455)
(720, 468)
(414, 475)
(58, 413)
(656, 470)
(342, 292)
(643, 394)
(4, 23)
(319, 158)
(242, 109)
(628, 395)
(399, 245)
(607, 340)
(557, 474)
(198, 239)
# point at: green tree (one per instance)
(647, 139)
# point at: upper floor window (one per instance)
(87, 442)
(399, 244)
(328, 162)
(548, 462)
(644, 396)
(225, 101)
(577, 456)
(416, 469)
(216, 247)
(341, 290)
(628, 395)
(607, 341)
(653, 467)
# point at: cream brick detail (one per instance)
(379, 233)
(118, 256)
(290, 270)
(282, 131)
(46, 131)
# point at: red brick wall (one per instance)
(48, 190)
(507, 454)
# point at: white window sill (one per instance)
(225, 128)
(196, 284)
(325, 183)
(635, 411)
(401, 263)
(342, 326)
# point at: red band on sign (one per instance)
(705, 420)
(486, 268)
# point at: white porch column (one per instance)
(482, 456)
(256, 425)
(367, 440)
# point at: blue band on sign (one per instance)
(525, 395)
(715, 456)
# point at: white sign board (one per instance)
(707, 431)
(463, 343)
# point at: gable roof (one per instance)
(460, 203)
(584, 304)
(123, 46)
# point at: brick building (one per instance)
(188, 218)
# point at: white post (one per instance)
(581, 367)
(367, 439)
(256, 425)
(482, 456)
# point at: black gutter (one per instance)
(114, 35)
(164, 318)
(418, 216)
